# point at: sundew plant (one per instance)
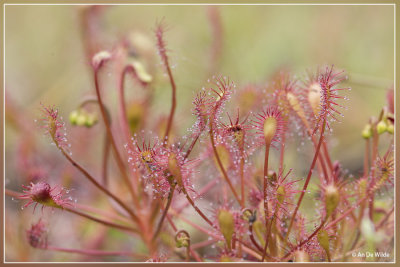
(191, 136)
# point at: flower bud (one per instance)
(270, 127)
(249, 216)
(73, 116)
(99, 58)
(331, 199)
(141, 72)
(367, 131)
(226, 226)
(81, 119)
(381, 127)
(390, 128)
(182, 240)
(301, 256)
(90, 120)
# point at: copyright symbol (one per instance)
(353, 254)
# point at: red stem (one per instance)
(120, 164)
(202, 191)
(191, 146)
(173, 106)
(169, 201)
(98, 185)
(196, 208)
(253, 240)
(224, 174)
(106, 153)
(122, 105)
(110, 224)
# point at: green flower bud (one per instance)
(81, 119)
(367, 131)
(247, 215)
(226, 226)
(90, 120)
(182, 241)
(73, 116)
(381, 127)
(390, 128)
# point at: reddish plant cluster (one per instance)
(258, 210)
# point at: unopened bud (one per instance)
(99, 58)
(367, 131)
(390, 128)
(249, 216)
(226, 226)
(381, 127)
(182, 239)
(90, 120)
(141, 72)
(73, 116)
(81, 120)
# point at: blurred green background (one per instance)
(45, 59)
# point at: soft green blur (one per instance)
(45, 60)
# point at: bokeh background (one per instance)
(46, 63)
